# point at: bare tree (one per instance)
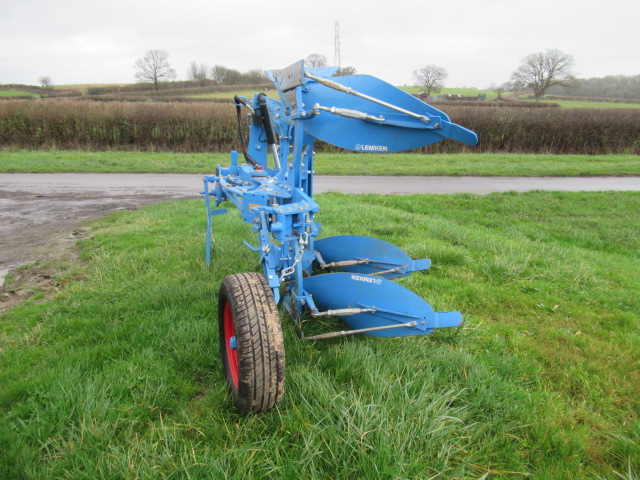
(45, 81)
(197, 73)
(430, 77)
(500, 89)
(154, 67)
(541, 71)
(225, 76)
(315, 60)
(342, 71)
(255, 77)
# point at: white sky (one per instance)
(477, 42)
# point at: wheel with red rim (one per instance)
(251, 342)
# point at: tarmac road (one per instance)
(186, 185)
(37, 208)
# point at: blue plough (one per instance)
(274, 192)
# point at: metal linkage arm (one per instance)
(345, 112)
(348, 90)
(344, 333)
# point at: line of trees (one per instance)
(154, 68)
(611, 86)
(545, 72)
(548, 72)
(221, 75)
(537, 72)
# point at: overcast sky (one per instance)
(477, 42)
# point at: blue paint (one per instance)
(274, 193)
(376, 256)
(391, 303)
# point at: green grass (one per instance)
(77, 161)
(118, 375)
(18, 93)
(326, 163)
(483, 164)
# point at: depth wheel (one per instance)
(251, 342)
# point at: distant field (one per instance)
(84, 87)
(588, 104)
(18, 93)
(409, 89)
(229, 95)
(473, 92)
(467, 92)
(243, 91)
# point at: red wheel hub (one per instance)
(229, 342)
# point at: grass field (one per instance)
(474, 92)
(228, 95)
(84, 87)
(327, 163)
(17, 93)
(118, 374)
(467, 92)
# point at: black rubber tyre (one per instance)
(254, 369)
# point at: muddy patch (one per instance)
(41, 278)
(38, 234)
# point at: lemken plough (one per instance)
(347, 276)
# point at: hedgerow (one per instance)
(211, 127)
